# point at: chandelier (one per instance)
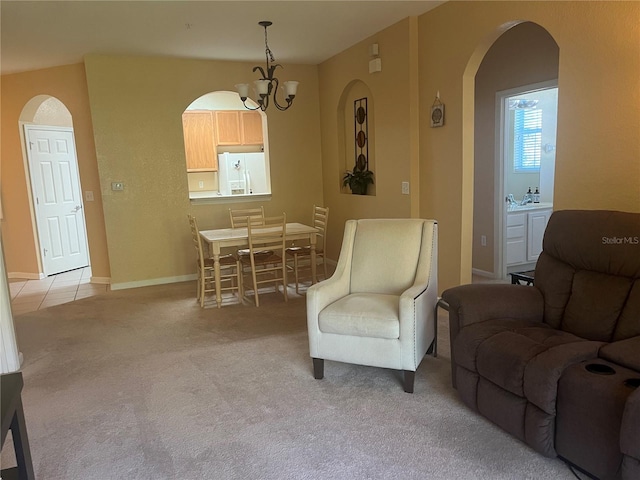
(268, 84)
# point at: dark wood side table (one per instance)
(519, 277)
(13, 419)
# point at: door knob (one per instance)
(78, 207)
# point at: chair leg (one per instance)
(255, 290)
(318, 368)
(295, 269)
(239, 280)
(409, 378)
(203, 286)
(284, 281)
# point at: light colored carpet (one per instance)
(143, 384)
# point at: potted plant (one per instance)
(358, 180)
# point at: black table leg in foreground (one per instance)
(527, 277)
(13, 419)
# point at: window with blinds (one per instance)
(527, 140)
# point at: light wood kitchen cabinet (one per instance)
(228, 127)
(199, 141)
(235, 127)
(251, 127)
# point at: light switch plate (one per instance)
(405, 188)
(88, 196)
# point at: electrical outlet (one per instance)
(200, 184)
(117, 186)
(405, 188)
(483, 240)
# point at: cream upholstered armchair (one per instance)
(378, 308)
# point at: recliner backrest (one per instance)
(589, 273)
(385, 255)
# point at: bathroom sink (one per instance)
(529, 206)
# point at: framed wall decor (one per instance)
(361, 127)
(437, 113)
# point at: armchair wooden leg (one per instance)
(409, 378)
(318, 368)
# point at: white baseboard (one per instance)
(153, 281)
(100, 280)
(483, 273)
(26, 276)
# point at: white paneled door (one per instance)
(57, 198)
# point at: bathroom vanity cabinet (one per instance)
(525, 230)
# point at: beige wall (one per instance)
(597, 163)
(67, 84)
(523, 55)
(389, 127)
(137, 103)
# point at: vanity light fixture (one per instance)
(515, 103)
(268, 84)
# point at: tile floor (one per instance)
(30, 295)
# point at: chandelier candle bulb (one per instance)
(243, 90)
(290, 88)
(262, 87)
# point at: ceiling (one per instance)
(43, 34)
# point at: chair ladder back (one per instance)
(241, 217)
(320, 221)
(269, 235)
(196, 240)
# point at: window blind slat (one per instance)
(527, 142)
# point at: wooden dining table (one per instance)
(239, 237)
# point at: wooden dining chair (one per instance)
(230, 269)
(272, 268)
(300, 255)
(241, 217)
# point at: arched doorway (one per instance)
(55, 193)
(515, 55)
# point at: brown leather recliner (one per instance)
(550, 362)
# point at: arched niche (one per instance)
(347, 126)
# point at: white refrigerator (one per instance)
(243, 174)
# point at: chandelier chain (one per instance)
(268, 52)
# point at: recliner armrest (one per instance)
(480, 302)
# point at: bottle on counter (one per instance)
(536, 195)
